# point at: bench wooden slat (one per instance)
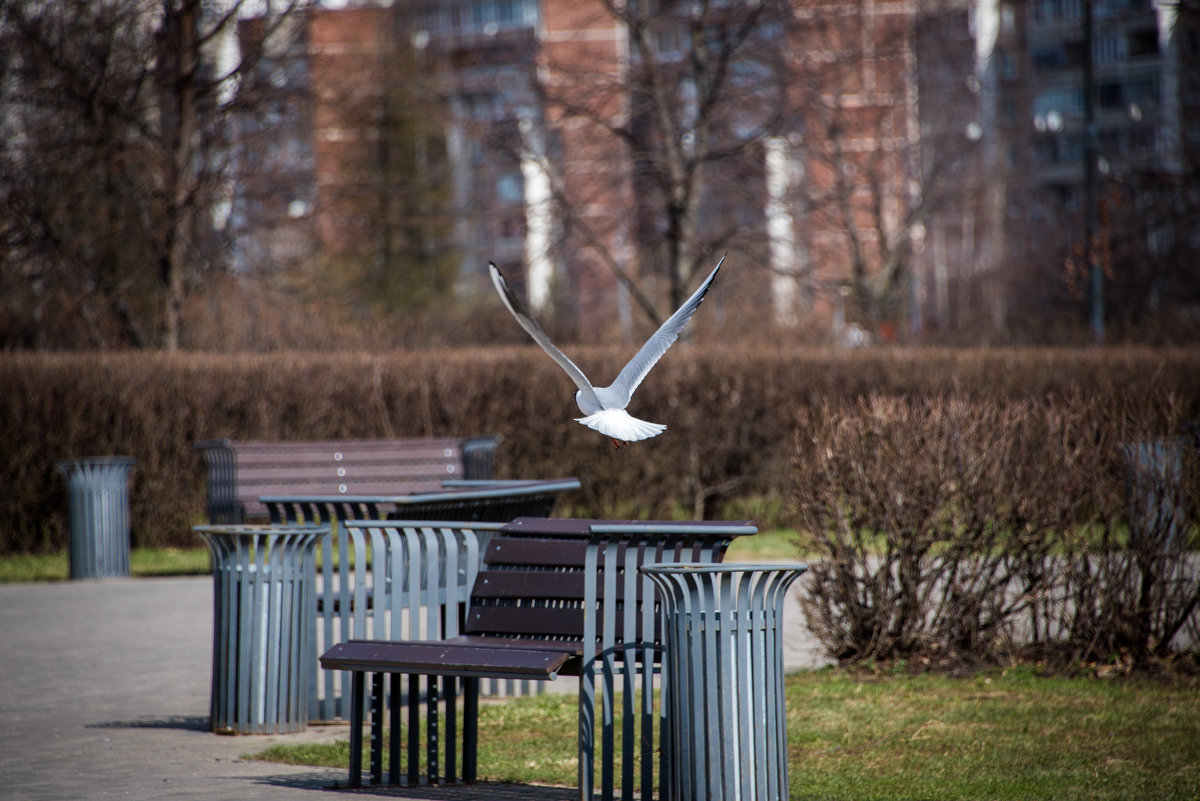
(533, 584)
(331, 446)
(329, 485)
(419, 471)
(526, 621)
(524, 551)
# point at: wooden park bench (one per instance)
(241, 472)
(552, 597)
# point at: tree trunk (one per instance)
(180, 123)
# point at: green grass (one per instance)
(769, 545)
(142, 562)
(766, 545)
(998, 736)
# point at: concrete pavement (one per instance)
(104, 694)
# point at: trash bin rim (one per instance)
(96, 461)
(254, 530)
(680, 568)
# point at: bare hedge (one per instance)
(950, 529)
(731, 413)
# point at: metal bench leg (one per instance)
(450, 691)
(395, 708)
(470, 728)
(414, 730)
(431, 728)
(377, 728)
(357, 693)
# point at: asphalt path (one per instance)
(104, 694)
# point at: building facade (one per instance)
(883, 169)
(1092, 142)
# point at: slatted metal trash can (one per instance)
(98, 508)
(723, 716)
(264, 626)
(1154, 470)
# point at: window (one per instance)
(1143, 91)
(670, 42)
(1046, 59)
(1143, 43)
(510, 188)
(1110, 94)
(1008, 66)
(1142, 139)
(1075, 52)
(1065, 100)
(1108, 48)
(1008, 18)
(1057, 10)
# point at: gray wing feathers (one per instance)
(539, 336)
(658, 344)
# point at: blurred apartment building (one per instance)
(1090, 114)
(926, 157)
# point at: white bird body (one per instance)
(604, 407)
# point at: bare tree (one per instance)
(116, 156)
(868, 192)
(387, 221)
(665, 133)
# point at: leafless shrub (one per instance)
(954, 528)
(1131, 584)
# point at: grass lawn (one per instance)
(769, 545)
(996, 736)
(142, 562)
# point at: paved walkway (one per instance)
(104, 693)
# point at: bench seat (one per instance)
(466, 656)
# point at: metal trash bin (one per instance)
(264, 626)
(98, 504)
(1155, 488)
(723, 718)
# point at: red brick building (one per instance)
(861, 166)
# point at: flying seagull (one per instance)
(604, 407)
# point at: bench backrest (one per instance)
(529, 587)
(533, 581)
(240, 472)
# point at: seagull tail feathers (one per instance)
(620, 425)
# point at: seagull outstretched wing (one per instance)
(539, 336)
(632, 374)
